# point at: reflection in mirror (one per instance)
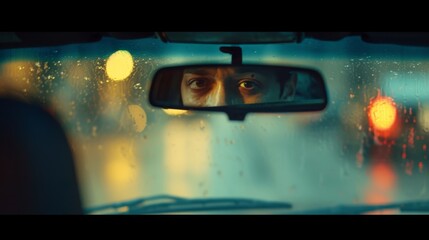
(249, 86)
(220, 86)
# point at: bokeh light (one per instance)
(138, 116)
(119, 65)
(382, 113)
(174, 112)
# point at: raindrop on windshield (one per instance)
(202, 125)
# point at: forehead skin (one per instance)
(201, 70)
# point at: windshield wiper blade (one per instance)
(192, 205)
(131, 203)
(411, 206)
(415, 206)
(178, 204)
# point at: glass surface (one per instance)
(255, 86)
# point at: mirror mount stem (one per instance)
(236, 116)
(236, 54)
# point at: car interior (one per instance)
(39, 173)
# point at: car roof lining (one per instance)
(47, 39)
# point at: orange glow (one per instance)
(383, 176)
(374, 197)
(381, 188)
(382, 113)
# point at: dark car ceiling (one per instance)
(45, 39)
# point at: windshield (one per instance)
(358, 150)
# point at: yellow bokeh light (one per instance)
(138, 116)
(382, 113)
(119, 65)
(174, 112)
(119, 172)
(120, 166)
(185, 156)
(17, 76)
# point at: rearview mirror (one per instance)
(239, 89)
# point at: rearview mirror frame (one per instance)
(238, 113)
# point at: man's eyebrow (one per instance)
(200, 71)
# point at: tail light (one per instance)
(383, 117)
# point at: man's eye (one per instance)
(248, 85)
(198, 83)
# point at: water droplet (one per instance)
(202, 125)
(137, 86)
(359, 158)
(94, 131)
(409, 168)
(411, 137)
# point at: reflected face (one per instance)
(219, 86)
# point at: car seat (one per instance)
(37, 171)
